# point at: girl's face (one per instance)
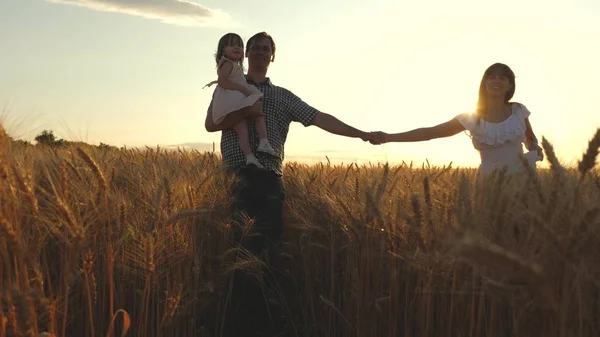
(234, 51)
(497, 85)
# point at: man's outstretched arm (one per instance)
(333, 125)
(307, 115)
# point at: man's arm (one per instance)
(333, 125)
(231, 119)
(302, 112)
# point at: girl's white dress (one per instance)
(500, 144)
(226, 101)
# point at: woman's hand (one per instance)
(378, 137)
(540, 152)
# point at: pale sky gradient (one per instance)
(131, 71)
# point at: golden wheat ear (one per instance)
(555, 165)
(91, 163)
(589, 158)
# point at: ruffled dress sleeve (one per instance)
(522, 111)
(496, 134)
(467, 120)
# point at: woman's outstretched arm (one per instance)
(447, 129)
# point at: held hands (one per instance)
(378, 137)
(375, 138)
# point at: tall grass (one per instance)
(101, 242)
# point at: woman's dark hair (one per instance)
(260, 36)
(495, 69)
(229, 39)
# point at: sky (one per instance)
(131, 72)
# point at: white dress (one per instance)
(226, 101)
(500, 144)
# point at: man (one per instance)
(260, 192)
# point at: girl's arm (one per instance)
(447, 129)
(224, 69)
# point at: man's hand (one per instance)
(374, 138)
(254, 111)
(378, 137)
(365, 136)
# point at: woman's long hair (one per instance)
(498, 69)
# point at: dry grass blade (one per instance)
(125, 325)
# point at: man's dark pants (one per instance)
(252, 309)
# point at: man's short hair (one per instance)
(260, 36)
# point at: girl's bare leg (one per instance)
(261, 129)
(241, 129)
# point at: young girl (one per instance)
(233, 93)
(497, 129)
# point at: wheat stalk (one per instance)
(95, 169)
(26, 188)
(588, 161)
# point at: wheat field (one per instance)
(112, 242)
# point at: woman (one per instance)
(497, 128)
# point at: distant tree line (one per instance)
(47, 138)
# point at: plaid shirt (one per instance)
(281, 107)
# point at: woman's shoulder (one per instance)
(467, 119)
(520, 110)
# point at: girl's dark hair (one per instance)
(229, 39)
(498, 69)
